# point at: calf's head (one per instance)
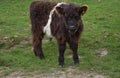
(71, 15)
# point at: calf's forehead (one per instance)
(71, 9)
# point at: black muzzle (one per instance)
(72, 29)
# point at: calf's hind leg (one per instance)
(37, 46)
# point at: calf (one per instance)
(60, 20)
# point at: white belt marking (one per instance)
(47, 29)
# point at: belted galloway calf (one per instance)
(60, 20)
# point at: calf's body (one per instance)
(66, 26)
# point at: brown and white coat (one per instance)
(60, 20)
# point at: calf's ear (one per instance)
(59, 10)
(83, 9)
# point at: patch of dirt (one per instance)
(99, 76)
(70, 72)
(56, 75)
(1, 73)
(18, 74)
(26, 41)
(102, 52)
(2, 70)
(11, 42)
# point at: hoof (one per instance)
(61, 65)
(41, 57)
(77, 62)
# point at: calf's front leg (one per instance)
(74, 48)
(61, 48)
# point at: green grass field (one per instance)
(99, 48)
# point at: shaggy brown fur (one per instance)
(66, 26)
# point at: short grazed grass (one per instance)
(101, 35)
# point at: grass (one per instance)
(101, 31)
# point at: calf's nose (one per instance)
(72, 28)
